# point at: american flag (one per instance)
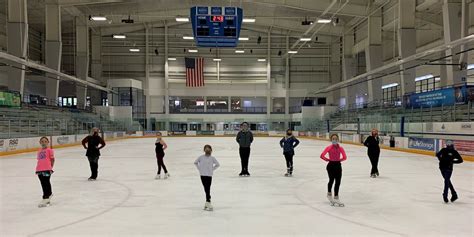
(194, 72)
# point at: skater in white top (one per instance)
(206, 164)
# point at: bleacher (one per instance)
(37, 120)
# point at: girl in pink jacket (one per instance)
(334, 168)
(44, 170)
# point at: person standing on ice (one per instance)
(160, 147)
(206, 164)
(245, 139)
(288, 143)
(94, 144)
(373, 151)
(334, 168)
(447, 157)
(44, 170)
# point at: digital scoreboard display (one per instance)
(216, 26)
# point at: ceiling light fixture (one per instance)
(239, 51)
(244, 38)
(324, 21)
(97, 18)
(262, 60)
(216, 59)
(119, 36)
(305, 39)
(192, 50)
(182, 19)
(292, 51)
(171, 59)
(134, 50)
(248, 20)
(188, 37)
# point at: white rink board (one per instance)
(126, 200)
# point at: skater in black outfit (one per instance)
(447, 157)
(245, 139)
(373, 151)
(160, 147)
(93, 151)
(288, 143)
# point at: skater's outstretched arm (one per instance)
(237, 138)
(251, 136)
(282, 141)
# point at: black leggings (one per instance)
(94, 163)
(289, 161)
(334, 169)
(447, 183)
(45, 180)
(374, 160)
(161, 164)
(244, 158)
(206, 182)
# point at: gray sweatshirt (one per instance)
(206, 165)
(244, 138)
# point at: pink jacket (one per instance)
(44, 158)
(335, 152)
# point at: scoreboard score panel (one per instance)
(216, 26)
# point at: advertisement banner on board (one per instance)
(463, 147)
(437, 98)
(427, 144)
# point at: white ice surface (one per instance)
(126, 200)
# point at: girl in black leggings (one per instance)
(160, 147)
(334, 168)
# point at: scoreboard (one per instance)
(216, 26)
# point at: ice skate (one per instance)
(167, 175)
(241, 174)
(377, 174)
(373, 176)
(91, 179)
(454, 197)
(208, 206)
(44, 203)
(337, 203)
(331, 201)
(158, 176)
(445, 198)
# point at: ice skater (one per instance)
(160, 147)
(245, 139)
(447, 157)
(44, 170)
(94, 144)
(206, 164)
(334, 168)
(288, 143)
(373, 151)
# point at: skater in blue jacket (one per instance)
(288, 143)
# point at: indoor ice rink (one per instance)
(324, 118)
(126, 200)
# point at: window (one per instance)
(427, 83)
(391, 92)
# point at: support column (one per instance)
(82, 58)
(229, 105)
(287, 84)
(373, 54)
(167, 93)
(269, 80)
(96, 67)
(17, 41)
(147, 79)
(406, 43)
(455, 23)
(205, 104)
(348, 65)
(335, 71)
(53, 48)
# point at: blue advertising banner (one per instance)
(427, 144)
(437, 98)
